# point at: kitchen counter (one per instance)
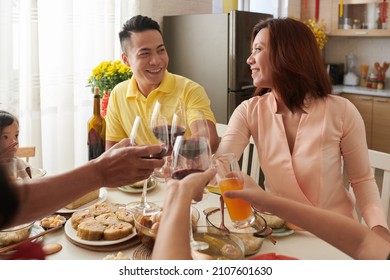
(361, 90)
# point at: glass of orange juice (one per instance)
(229, 178)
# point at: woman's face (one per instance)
(259, 60)
(10, 135)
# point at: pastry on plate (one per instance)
(102, 208)
(91, 230)
(125, 215)
(117, 231)
(80, 216)
(272, 221)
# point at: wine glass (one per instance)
(191, 155)
(172, 108)
(157, 134)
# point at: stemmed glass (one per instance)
(191, 155)
(157, 134)
(172, 108)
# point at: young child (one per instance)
(9, 142)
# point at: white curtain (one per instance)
(48, 49)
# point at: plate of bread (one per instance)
(101, 224)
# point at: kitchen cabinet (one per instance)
(375, 113)
(360, 18)
(381, 124)
(364, 105)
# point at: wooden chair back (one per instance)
(380, 164)
(26, 152)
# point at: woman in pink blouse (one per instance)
(303, 133)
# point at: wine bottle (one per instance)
(96, 130)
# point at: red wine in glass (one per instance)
(174, 132)
(180, 174)
(159, 155)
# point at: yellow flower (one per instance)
(108, 74)
(319, 32)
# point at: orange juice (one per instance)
(240, 210)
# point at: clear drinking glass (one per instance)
(173, 109)
(157, 135)
(229, 178)
(191, 155)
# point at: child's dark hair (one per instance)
(6, 119)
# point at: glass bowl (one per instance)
(252, 236)
(147, 226)
(15, 234)
(222, 245)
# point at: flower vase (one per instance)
(104, 103)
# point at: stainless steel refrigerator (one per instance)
(212, 50)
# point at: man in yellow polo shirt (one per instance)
(144, 51)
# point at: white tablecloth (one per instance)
(301, 245)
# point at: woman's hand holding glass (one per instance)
(230, 178)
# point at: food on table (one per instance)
(147, 226)
(80, 216)
(53, 221)
(84, 199)
(125, 215)
(272, 221)
(251, 242)
(221, 246)
(102, 208)
(102, 221)
(119, 256)
(91, 230)
(139, 184)
(107, 219)
(117, 231)
(51, 248)
(15, 234)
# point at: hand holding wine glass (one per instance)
(157, 134)
(191, 155)
(172, 108)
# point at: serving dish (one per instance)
(147, 226)
(72, 234)
(52, 221)
(15, 234)
(252, 236)
(222, 246)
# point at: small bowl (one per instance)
(147, 226)
(222, 245)
(15, 234)
(252, 237)
(53, 221)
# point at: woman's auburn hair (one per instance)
(297, 67)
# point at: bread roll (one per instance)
(117, 231)
(91, 230)
(272, 221)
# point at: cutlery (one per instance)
(13, 246)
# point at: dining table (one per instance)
(300, 244)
